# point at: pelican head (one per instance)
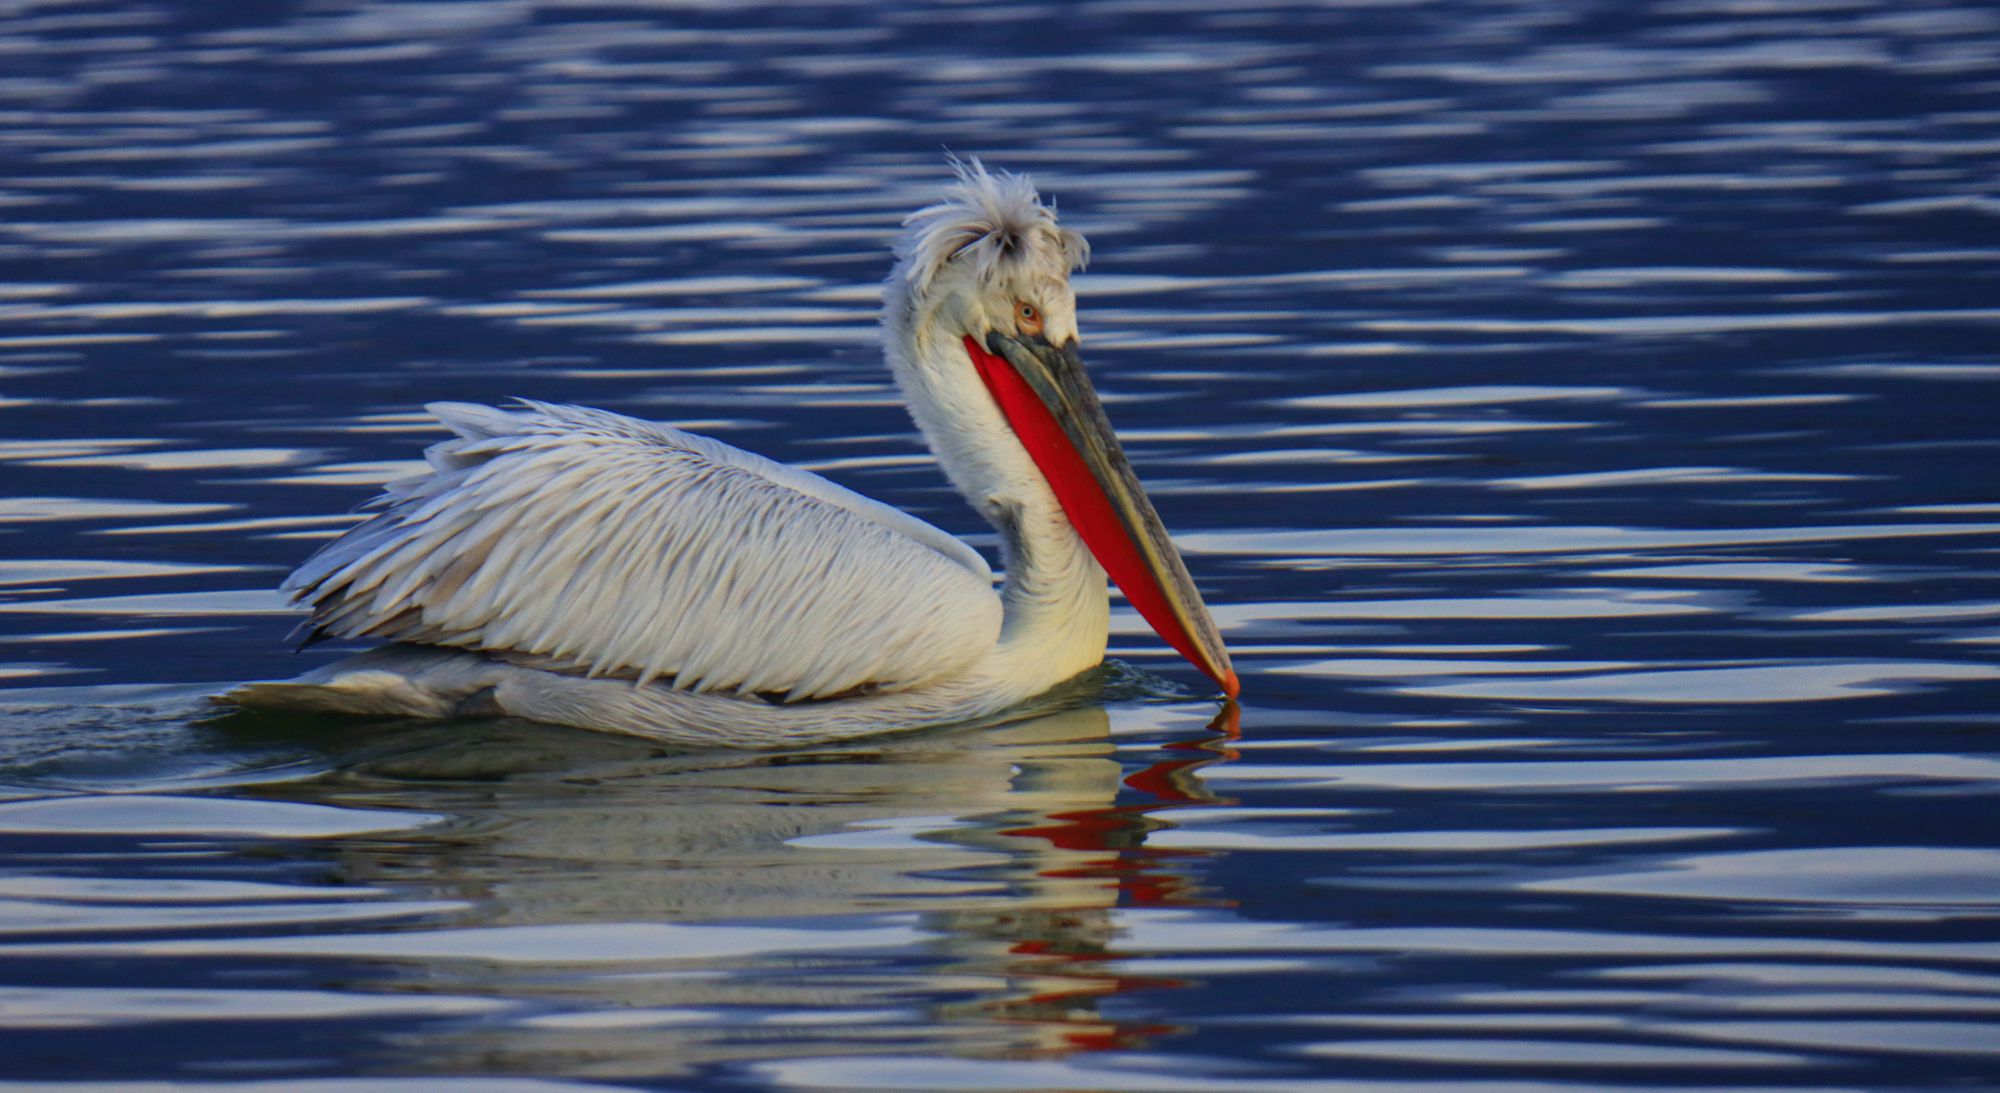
(982, 336)
(988, 256)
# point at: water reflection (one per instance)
(570, 890)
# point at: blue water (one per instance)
(1581, 417)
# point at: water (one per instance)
(1581, 418)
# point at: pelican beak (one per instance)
(1046, 397)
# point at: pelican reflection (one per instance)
(1002, 852)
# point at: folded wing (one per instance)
(589, 541)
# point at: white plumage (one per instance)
(582, 567)
(595, 542)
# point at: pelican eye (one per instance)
(1027, 319)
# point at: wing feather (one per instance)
(600, 543)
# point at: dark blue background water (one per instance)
(1582, 417)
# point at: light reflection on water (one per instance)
(1582, 420)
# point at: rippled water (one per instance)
(1583, 420)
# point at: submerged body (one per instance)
(580, 567)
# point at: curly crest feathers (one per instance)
(987, 218)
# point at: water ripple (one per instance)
(1580, 418)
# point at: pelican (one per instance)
(580, 567)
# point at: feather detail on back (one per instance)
(608, 545)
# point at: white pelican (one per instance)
(575, 566)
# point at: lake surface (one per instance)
(1583, 422)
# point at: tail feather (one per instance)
(474, 421)
(392, 681)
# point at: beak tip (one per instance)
(1230, 687)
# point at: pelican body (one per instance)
(584, 568)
